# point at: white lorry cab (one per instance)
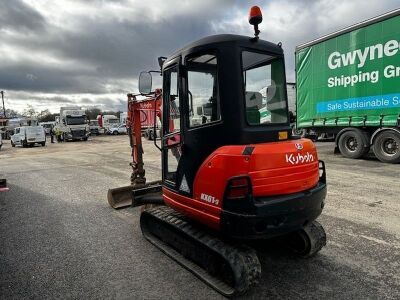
(28, 136)
(107, 121)
(72, 124)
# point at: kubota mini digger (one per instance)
(231, 169)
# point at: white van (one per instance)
(28, 136)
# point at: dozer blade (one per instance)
(123, 196)
(120, 197)
(228, 268)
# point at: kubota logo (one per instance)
(298, 146)
(298, 158)
(145, 105)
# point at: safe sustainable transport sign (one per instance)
(356, 74)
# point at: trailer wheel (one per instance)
(387, 146)
(352, 145)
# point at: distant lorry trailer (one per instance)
(149, 112)
(348, 84)
(72, 124)
(10, 124)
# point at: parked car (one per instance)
(28, 136)
(119, 129)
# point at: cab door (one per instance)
(171, 137)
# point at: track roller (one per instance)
(307, 241)
(228, 268)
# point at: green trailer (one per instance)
(348, 85)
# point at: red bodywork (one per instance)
(100, 120)
(277, 168)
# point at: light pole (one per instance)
(2, 98)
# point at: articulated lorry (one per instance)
(348, 84)
(72, 124)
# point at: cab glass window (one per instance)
(171, 76)
(202, 85)
(264, 82)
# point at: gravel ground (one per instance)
(60, 239)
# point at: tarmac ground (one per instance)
(60, 239)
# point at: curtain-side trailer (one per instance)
(348, 84)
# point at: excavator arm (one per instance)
(139, 111)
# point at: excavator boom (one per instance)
(138, 113)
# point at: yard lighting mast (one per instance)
(2, 98)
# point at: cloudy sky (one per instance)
(69, 52)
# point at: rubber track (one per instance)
(242, 261)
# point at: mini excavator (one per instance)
(232, 172)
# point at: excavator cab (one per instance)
(231, 169)
(227, 147)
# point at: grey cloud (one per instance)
(114, 50)
(107, 53)
(16, 15)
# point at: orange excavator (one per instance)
(232, 172)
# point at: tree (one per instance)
(46, 116)
(92, 113)
(10, 113)
(29, 112)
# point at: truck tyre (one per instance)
(299, 132)
(12, 144)
(85, 139)
(352, 144)
(387, 146)
(24, 144)
(115, 132)
(43, 144)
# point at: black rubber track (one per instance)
(228, 268)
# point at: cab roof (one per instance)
(223, 39)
